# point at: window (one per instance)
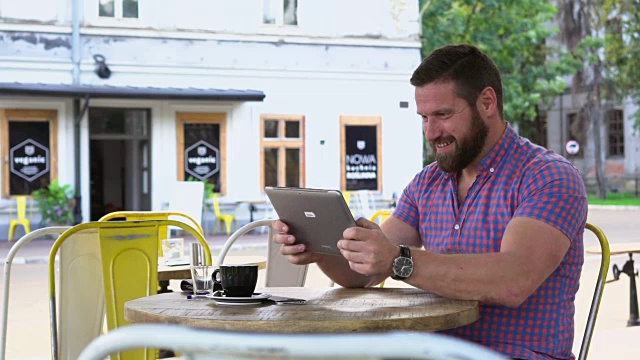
(282, 151)
(29, 144)
(361, 153)
(615, 132)
(280, 12)
(127, 9)
(202, 148)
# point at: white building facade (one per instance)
(242, 94)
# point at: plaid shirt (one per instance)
(517, 178)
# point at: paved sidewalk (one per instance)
(620, 226)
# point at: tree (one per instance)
(513, 33)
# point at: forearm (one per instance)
(492, 278)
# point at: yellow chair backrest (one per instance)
(599, 289)
(347, 197)
(154, 215)
(216, 204)
(128, 252)
(21, 207)
(382, 215)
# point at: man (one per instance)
(501, 219)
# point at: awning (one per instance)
(129, 92)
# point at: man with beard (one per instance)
(500, 219)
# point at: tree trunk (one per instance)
(597, 138)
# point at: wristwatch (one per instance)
(403, 264)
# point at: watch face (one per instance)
(403, 267)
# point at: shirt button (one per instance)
(457, 227)
(492, 170)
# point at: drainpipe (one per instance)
(75, 41)
(78, 111)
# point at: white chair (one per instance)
(280, 272)
(187, 197)
(206, 344)
(363, 204)
(55, 230)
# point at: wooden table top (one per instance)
(328, 310)
(617, 248)
(184, 271)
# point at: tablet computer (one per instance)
(316, 217)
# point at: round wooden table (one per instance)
(328, 310)
(179, 272)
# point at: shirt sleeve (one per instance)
(554, 193)
(407, 208)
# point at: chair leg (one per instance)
(27, 228)
(12, 230)
(227, 224)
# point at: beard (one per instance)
(467, 149)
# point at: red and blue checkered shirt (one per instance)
(517, 178)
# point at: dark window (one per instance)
(271, 167)
(130, 9)
(106, 8)
(615, 132)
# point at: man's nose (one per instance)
(432, 130)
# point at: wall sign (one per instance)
(201, 160)
(29, 156)
(361, 157)
(29, 160)
(202, 156)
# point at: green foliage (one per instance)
(513, 33)
(208, 187)
(620, 198)
(55, 203)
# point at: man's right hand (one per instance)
(295, 253)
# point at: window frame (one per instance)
(30, 115)
(618, 116)
(282, 143)
(279, 14)
(183, 118)
(363, 121)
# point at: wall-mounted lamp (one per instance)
(102, 69)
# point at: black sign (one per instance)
(361, 162)
(202, 155)
(29, 156)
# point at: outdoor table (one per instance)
(328, 310)
(629, 269)
(179, 272)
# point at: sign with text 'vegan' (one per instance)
(202, 158)
(29, 156)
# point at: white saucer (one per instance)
(219, 297)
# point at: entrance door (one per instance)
(120, 160)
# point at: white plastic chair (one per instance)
(54, 230)
(187, 197)
(280, 272)
(363, 204)
(206, 344)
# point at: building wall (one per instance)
(344, 58)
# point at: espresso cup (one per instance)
(236, 280)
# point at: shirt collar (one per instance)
(499, 150)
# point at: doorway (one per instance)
(119, 175)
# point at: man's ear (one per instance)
(488, 101)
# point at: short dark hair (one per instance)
(466, 66)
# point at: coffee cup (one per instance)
(236, 280)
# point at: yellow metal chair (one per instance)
(21, 217)
(381, 215)
(123, 256)
(599, 289)
(228, 219)
(155, 215)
